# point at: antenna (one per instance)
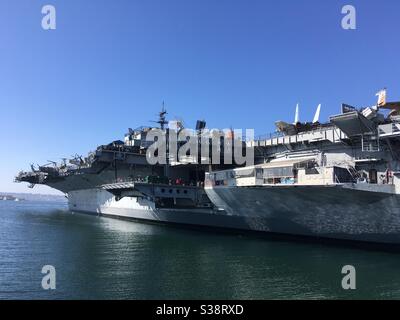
(162, 117)
(296, 115)
(316, 116)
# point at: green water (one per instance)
(103, 258)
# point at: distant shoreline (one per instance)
(11, 196)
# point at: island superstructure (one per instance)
(336, 180)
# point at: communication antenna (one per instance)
(162, 116)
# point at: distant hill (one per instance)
(32, 196)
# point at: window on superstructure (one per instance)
(279, 172)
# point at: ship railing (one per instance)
(389, 129)
(269, 136)
(317, 130)
(157, 180)
(278, 134)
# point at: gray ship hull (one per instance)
(324, 212)
(332, 212)
(101, 202)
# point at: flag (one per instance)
(381, 97)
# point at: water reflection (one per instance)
(103, 258)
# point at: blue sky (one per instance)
(110, 64)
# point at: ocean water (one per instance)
(104, 258)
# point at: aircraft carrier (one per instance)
(336, 180)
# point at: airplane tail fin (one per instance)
(316, 115)
(296, 116)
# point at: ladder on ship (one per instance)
(370, 143)
(354, 173)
